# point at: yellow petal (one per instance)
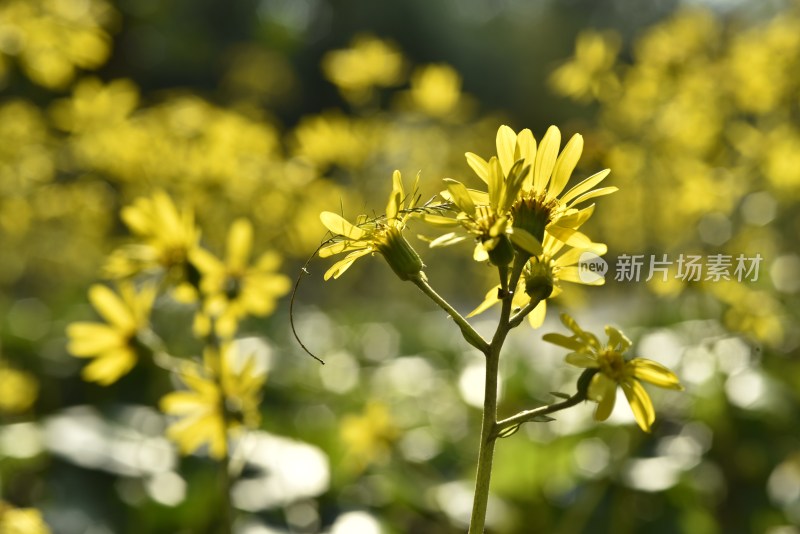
(109, 305)
(479, 165)
(89, 339)
(489, 300)
(506, 142)
(640, 402)
(182, 403)
(593, 194)
(546, 158)
(496, 181)
(110, 366)
(584, 186)
(240, 242)
(526, 150)
(460, 196)
(341, 266)
(573, 274)
(582, 359)
(564, 166)
(563, 341)
(336, 224)
(536, 317)
(603, 390)
(654, 372)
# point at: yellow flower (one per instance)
(589, 75)
(542, 276)
(382, 234)
(168, 236)
(19, 388)
(613, 370)
(224, 395)
(522, 202)
(436, 91)
(233, 289)
(52, 39)
(487, 216)
(368, 437)
(369, 62)
(21, 520)
(114, 345)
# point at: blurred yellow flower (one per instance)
(95, 106)
(19, 388)
(368, 437)
(333, 139)
(589, 74)
(613, 370)
(114, 345)
(382, 234)
(52, 39)
(233, 289)
(21, 520)
(224, 395)
(27, 158)
(369, 62)
(167, 235)
(436, 91)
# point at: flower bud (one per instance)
(538, 279)
(400, 255)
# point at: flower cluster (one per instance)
(169, 258)
(524, 214)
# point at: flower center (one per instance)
(612, 364)
(532, 214)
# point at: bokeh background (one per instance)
(275, 110)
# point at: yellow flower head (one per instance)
(168, 236)
(542, 276)
(224, 394)
(19, 388)
(436, 90)
(114, 345)
(369, 62)
(382, 234)
(486, 216)
(21, 520)
(233, 288)
(368, 437)
(613, 370)
(522, 203)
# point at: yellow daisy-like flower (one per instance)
(540, 207)
(486, 216)
(613, 370)
(168, 236)
(233, 288)
(19, 388)
(368, 437)
(21, 520)
(382, 234)
(114, 345)
(224, 395)
(369, 62)
(542, 276)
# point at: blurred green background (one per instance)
(278, 109)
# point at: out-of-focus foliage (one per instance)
(253, 114)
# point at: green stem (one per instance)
(489, 420)
(530, 415)
(470, 335)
